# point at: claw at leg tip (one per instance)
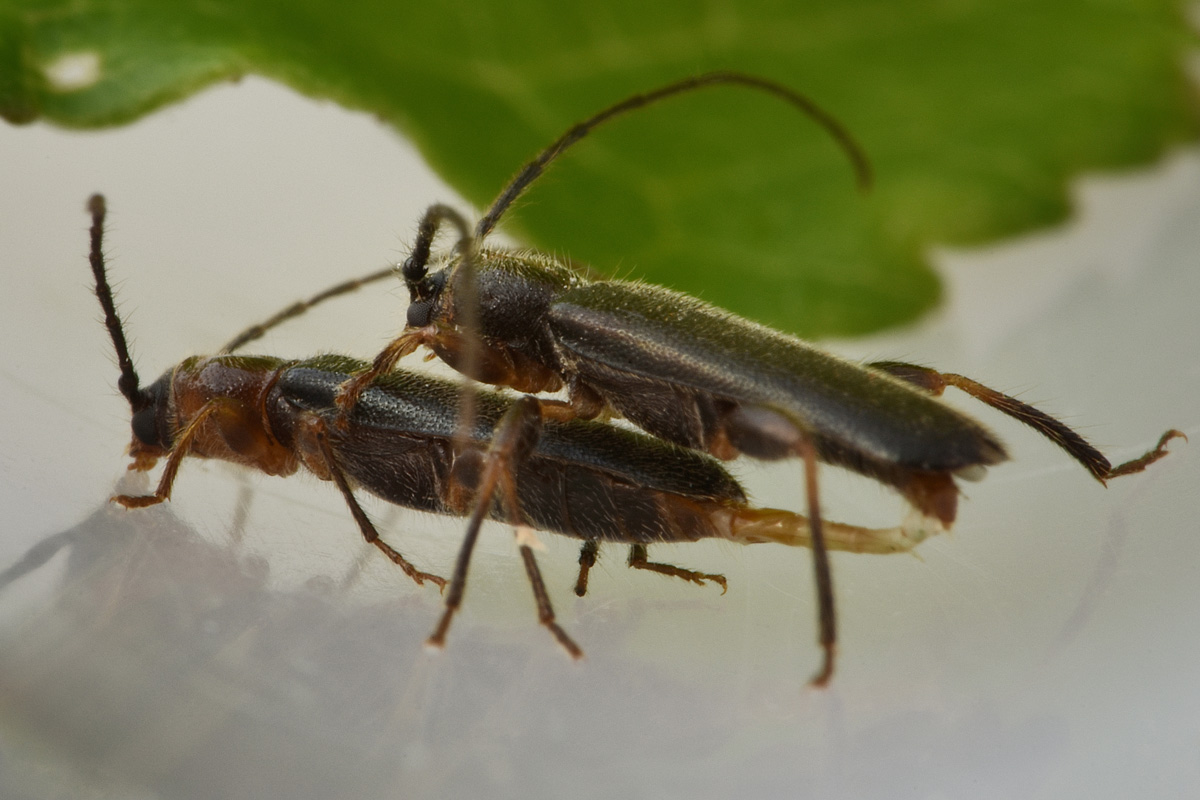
(822, 678)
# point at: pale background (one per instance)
(242, 640)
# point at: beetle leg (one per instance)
(638, 560)
(349, 392)
(431, 221)
(526, 413)
(317, 429)
(545, 610)
(824, 577)
(558, 410)
(747, 525)
(514, 438)
(1075, 445)
(174, 458)
(587, 560)
(458, 580)
(764, 432)
(1149, 457)
(541, 597)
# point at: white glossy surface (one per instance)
(242, 640)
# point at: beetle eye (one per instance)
(146, 421)
(419, 313)
(145, 427)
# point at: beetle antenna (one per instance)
(533, 170)
(255, 332)
(128, 382)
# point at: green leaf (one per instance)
(974, 114)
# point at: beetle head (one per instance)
(152, 434)
(513, 290)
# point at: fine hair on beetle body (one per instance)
(404, 442)
(695, 375)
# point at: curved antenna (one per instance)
(414, 267)
(438, 213)
(128, 382)
(533, 170)
(300, 306)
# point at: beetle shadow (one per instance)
(180, 664)
(185, 666)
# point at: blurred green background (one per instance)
(974, 114)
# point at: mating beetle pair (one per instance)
(690, 374)
(403, 441)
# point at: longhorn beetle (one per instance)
(693, 374)
(589, 480)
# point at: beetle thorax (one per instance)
(514, 292)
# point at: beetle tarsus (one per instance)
(1141, 462)
(545, 610)
(317, 429)
(821, 679)
(638, 560)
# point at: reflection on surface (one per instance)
(172, 664)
